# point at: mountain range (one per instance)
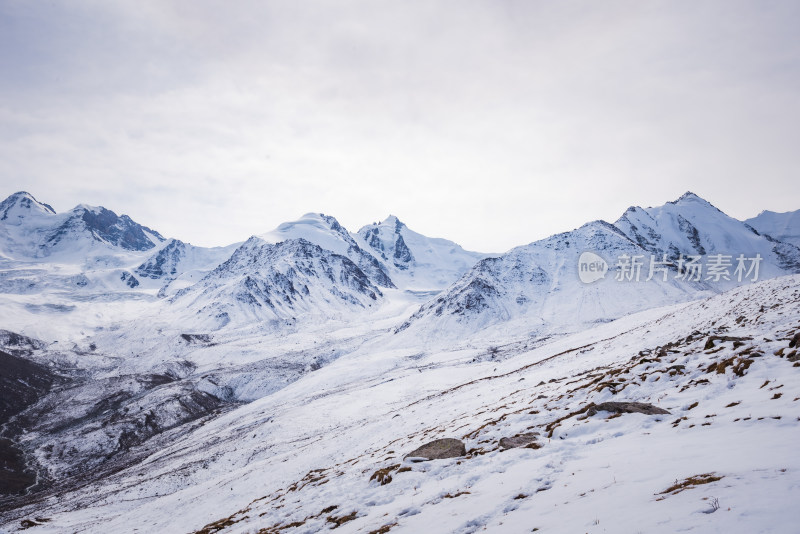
(150, 384)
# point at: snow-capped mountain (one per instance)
(540, 284)
(32, 229)
(326, 232)
(92, 249)
(15, 209)
(284, 281)
(416, 261)
(179, 265)
(87, 249)
(781, 226)
(692, 226)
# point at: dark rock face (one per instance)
(440, 449)
(787, 254)
(129, 279)
(475, 292)
(16, 475)
(120, 231)
(626, 407)
(196, 338)
(402, 258)
(92, 427)
(402, 255)
(374, 241)
(371, 266)
(163, 264)
(520, 440)
(308, 260)
(21, 383)
(795, 340)
(365, 261)
(106, 226)
(692, 234)
(17, 344)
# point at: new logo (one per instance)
(591, 267)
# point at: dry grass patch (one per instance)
(383, 476)
(339, 521)
(384, 529)
(689, 483)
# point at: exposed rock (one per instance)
(19, 345)
(626, 407)
(22, 383)
(164, 264)
(196, 338)
(440, 449)
(129, 279)
(710, 341)
(527, 441)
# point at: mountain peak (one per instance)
(392, 220)
(690, 197)
(21, 204)
(317, 228)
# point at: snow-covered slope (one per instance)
(416, 261)
(87, 250)
(328, 451)
(781, 226)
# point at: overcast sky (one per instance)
(491, 123)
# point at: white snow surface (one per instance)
(782, 226)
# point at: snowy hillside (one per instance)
(781, 226)
(328, 451)
(414, 260)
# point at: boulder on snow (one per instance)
(520, 440)
(626, 407)
(440, 449)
